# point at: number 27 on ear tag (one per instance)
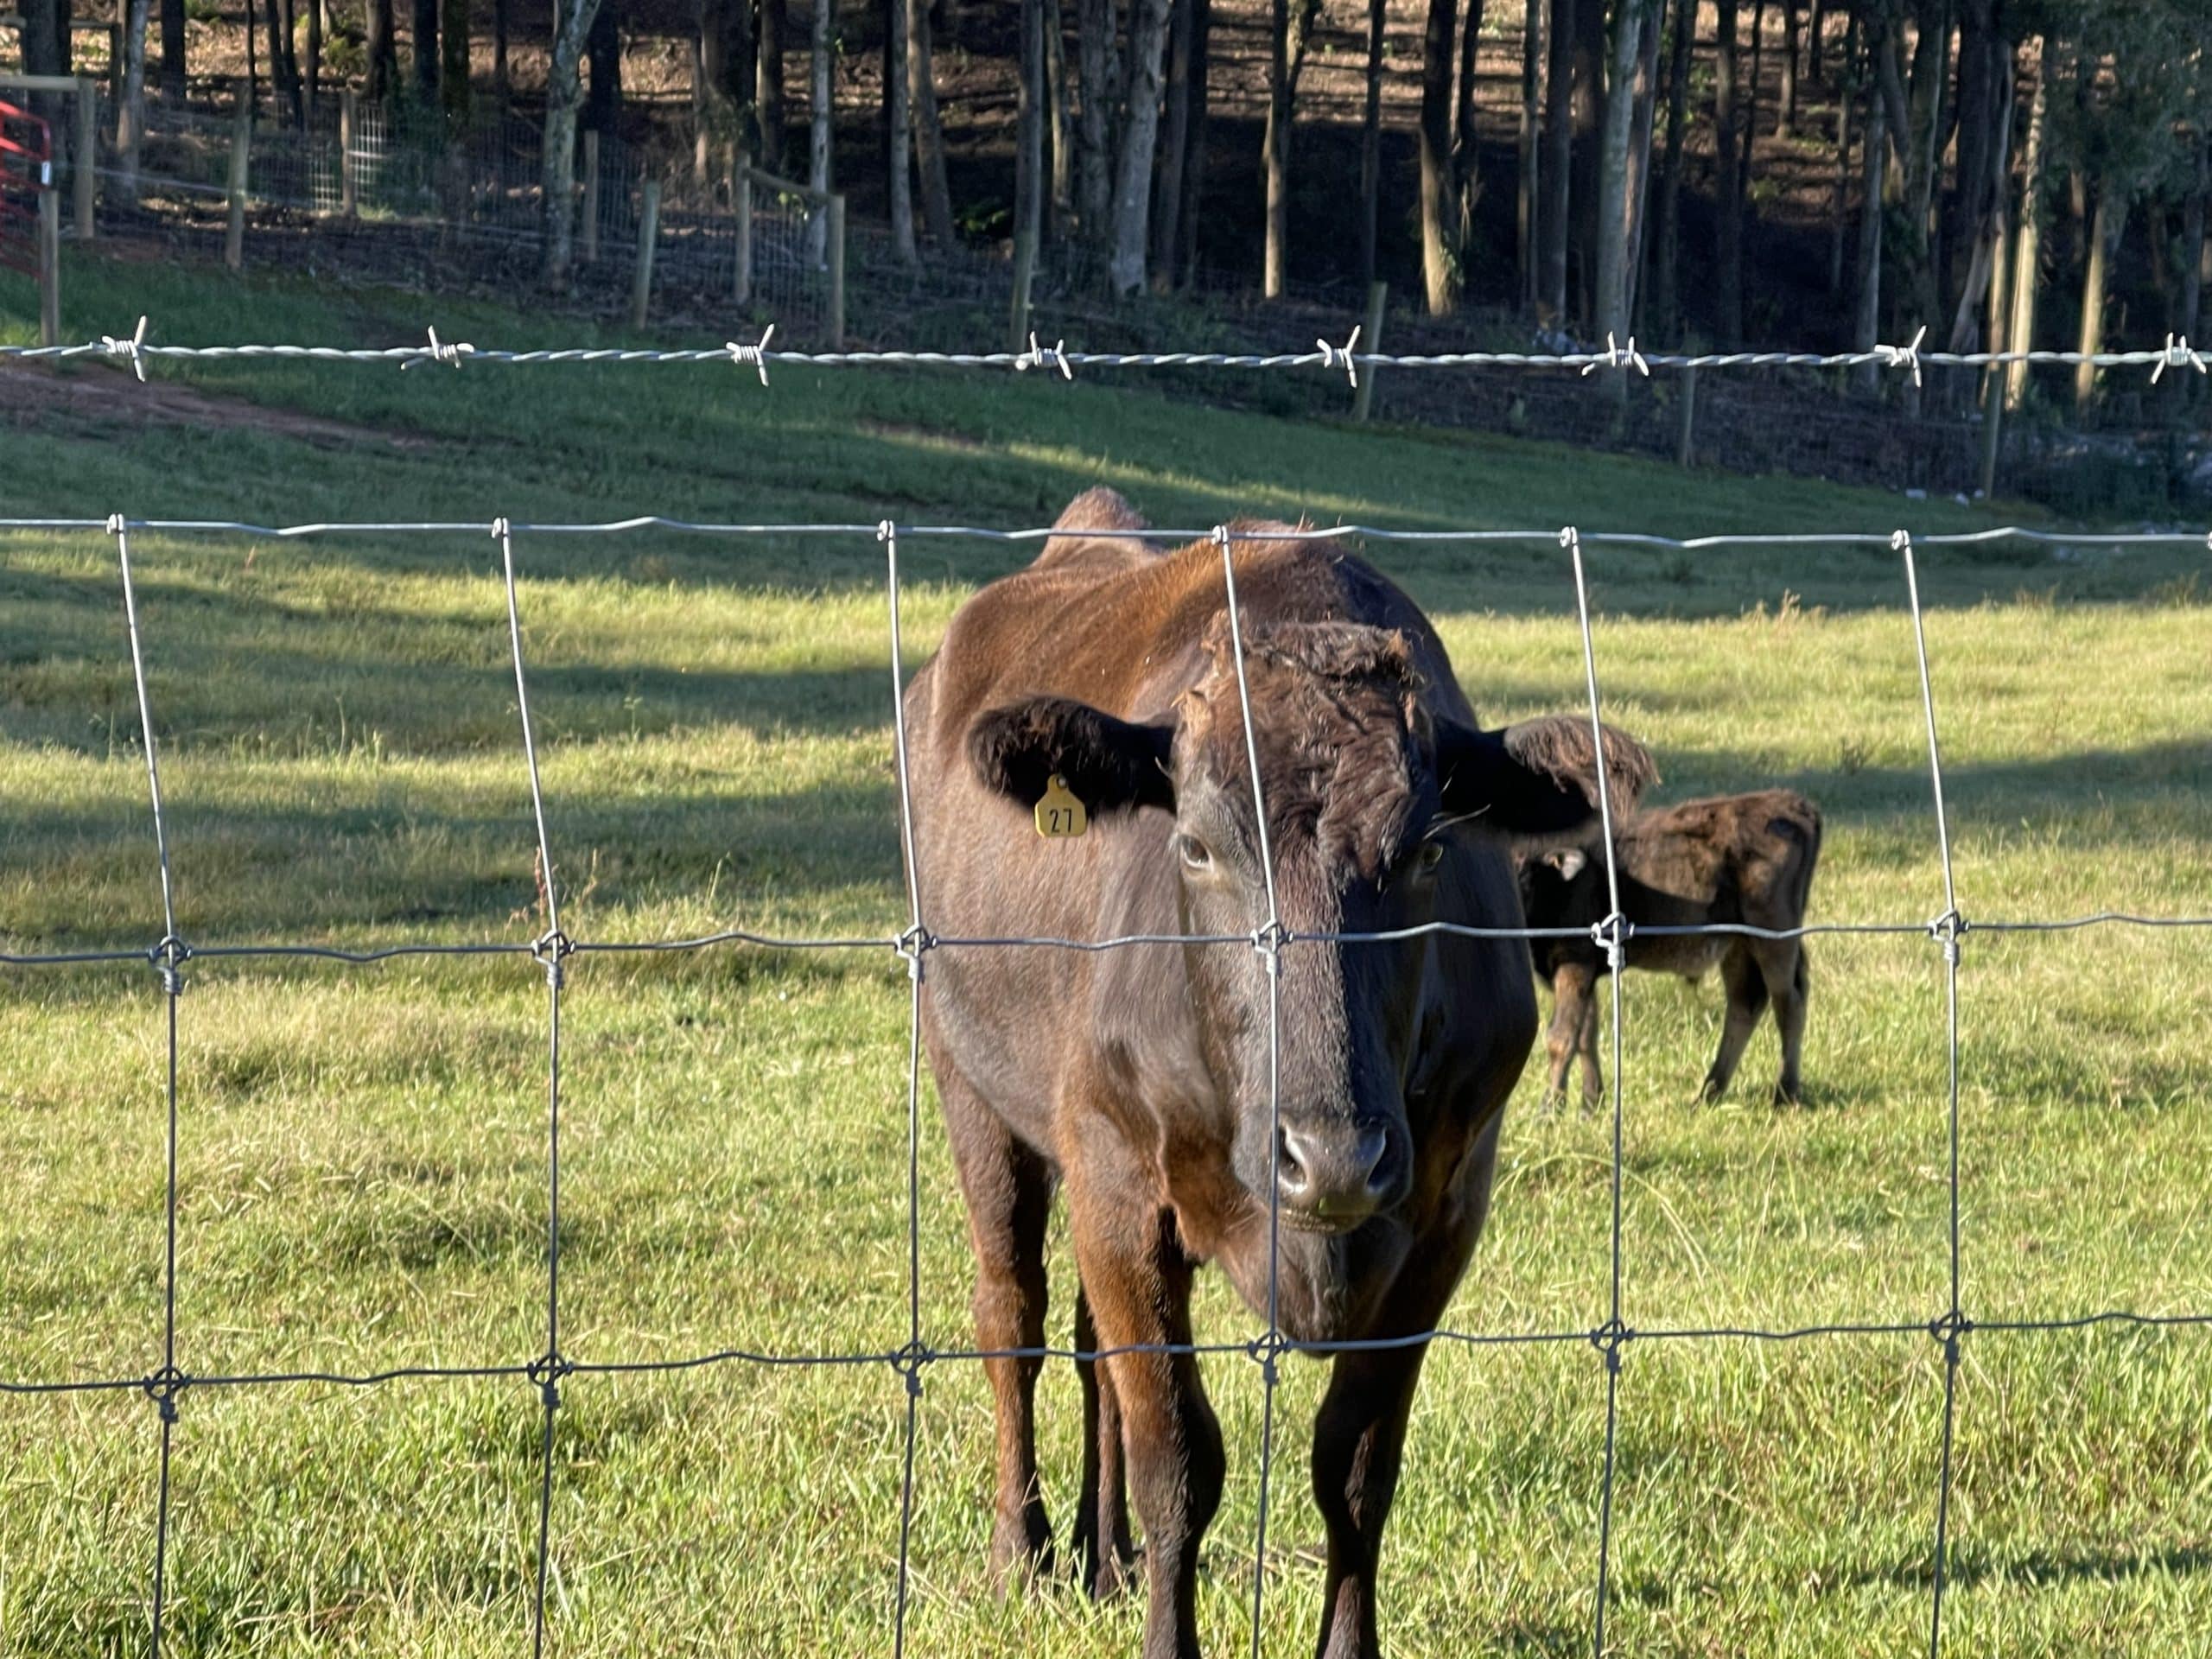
(1059, 814)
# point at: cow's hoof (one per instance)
(1103, 1574)
(1710, 1091)
(1787, 1094)
(1021, 1550)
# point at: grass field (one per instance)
(361, 1157)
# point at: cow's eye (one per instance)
(1193, 852)
(1432, 855)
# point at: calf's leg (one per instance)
(1571, 1004)
(1585, 1042)
(1138, 1282)
(1101, 1544)
(1783, 968)
(1746, 988)
(1009, 1192)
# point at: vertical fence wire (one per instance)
(1613, 1334)
(167, 957)
(1947, 930)
(550, 949)
(913, 944)
(1268, 939)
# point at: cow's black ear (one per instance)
(1539, 777)
(1110, 765)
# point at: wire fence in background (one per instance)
(1609, 1334)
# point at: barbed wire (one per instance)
(1612, 1337)
(2177, 354)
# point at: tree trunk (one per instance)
(1194, 178)
(1642, 121)
(1133, 186)
(1839, 225)
(1984, 103)
(131, 117)
(173, 44)
(1666, 309)
(381, 47)
(897, 99)
(1174, 152)
(453, 79)
(2104, 236)
(284, 63)
(604, 46)
(820, 122)
(1440, 271)
(1274, 150)
(1753, 83)
(1816, 45)
(1728, 190)
(1029, 125)
(1558, 160)
(1466, 139)
(1370, 141)
(2195, 249)
(1868, 319)
(573, 20)
(1613, 233)
(424, 45)
(315, 57)
(502, 81)
(1786, 127)
(1063, 105)
(1591, 49)
(1525, 211)
(775, 28)
(1981, 195)
(1094, 169)
(2027, 250)
(929, 132)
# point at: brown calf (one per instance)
(1141, 1080)
(1746, 859)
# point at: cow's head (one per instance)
(1369, 798)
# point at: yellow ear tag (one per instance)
(1059, 814)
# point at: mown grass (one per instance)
(361, 1156)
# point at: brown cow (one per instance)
(1138, 1078)
(1744, 860)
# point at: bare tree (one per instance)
(1530, 135)
(424, 45)
(130, 115)
(1371, 140)
(381, 47)
(1558, 160)
(1094, 168)
(1439, 239)
(173, 44)
(572, 23)
(1786, 127)
(1062, 98)
(1132, 182)
(898, 101)
(820, 120)
(1616, 232)
(1293, 25)
(453, 81)
(1194, 173)
(770, 100)
(1466, 140)
(1867, 320)
(1029, 126)
(1174, 149)
(1666, 265)
(929, 131)
(1728, 279)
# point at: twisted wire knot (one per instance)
(162, 1388)
(550, 948)
(1265, 1351)
(1947, 930)
(908, 1362)
(1947, 1328)
(169, 957)
(1611, 936)
(1054, 356)
(1269, 938)
(757, 356)
(1608, 1340)
(2178, 354)
(1619, 357)
(440, 351)
(1340, 357)
(1903, 357)
(547, 1370)
(133, 347)
(913, 945)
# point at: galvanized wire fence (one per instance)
(169, 1384)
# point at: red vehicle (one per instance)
(26, 170)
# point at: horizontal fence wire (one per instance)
(1611, 1337)
(2175, 354)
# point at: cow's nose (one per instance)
(1336, 1175)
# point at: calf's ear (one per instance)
(1110, 765)
(1539, 777)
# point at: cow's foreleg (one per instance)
(1009, 1192)
(1101, 1544)
(1137, 1280)
(1572, 1002)
(1746, 989)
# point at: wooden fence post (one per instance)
(836, 273)
(349, 196)
(1686, 421)
(1370, 337)
(742, 205)
(591, 198)
(641, 287)
(85, 157)
(241, 149)
(1025, 275)
(49, 268)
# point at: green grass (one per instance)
(361, 1158)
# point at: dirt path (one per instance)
(92, 399)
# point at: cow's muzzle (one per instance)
(1330, 1177)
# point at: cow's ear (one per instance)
(1110, 765)
(1539, 777)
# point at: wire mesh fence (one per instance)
(553, 1367)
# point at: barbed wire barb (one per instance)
(130, 347)
(754, 356)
